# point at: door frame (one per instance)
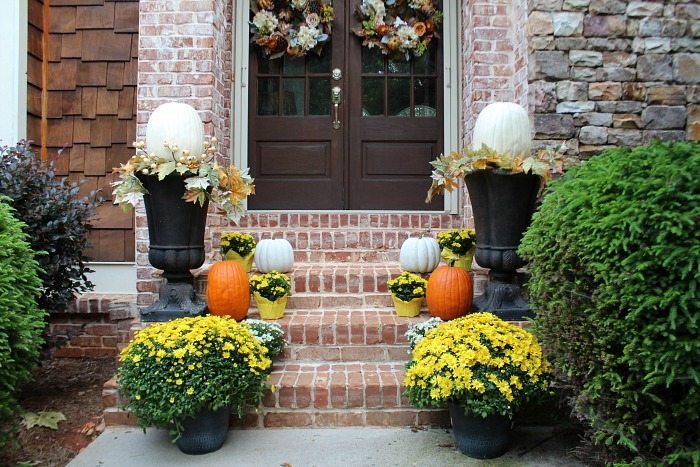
(452, 91)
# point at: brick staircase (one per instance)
(344, 365)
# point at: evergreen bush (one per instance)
(21, 321)
(614, 252)
(56, 219)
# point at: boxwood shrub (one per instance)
(56, 218)
(21, 321)
(614, 252)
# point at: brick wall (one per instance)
(609, 73)
(94, 325)
(494, 56)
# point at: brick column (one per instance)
(177, 62)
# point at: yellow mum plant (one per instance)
(408, 286)
(175, 369)
(479, 362)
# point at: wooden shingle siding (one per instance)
(91, 53)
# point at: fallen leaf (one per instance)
(44, 418)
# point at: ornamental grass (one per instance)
(480, 362)
(175, 369)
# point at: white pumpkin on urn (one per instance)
(175, 123)
(419, 254)
(274, 255)
(505, 128)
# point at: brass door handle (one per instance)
(336, 96)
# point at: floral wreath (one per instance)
(398, 28)
(294, 27)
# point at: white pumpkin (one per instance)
(419, 254)
(175, 123)
(276, 255)
(505, 128)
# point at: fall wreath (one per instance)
(399, 28)
(294, 27)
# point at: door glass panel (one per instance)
(293, 96)
(269, 67)
(424, 97)
(320, 64)
(372, 96)
(319, 97)
(425, 64)
(372, 61)
(396, 67)
(400, 97)
(268, 96)
(293, 65)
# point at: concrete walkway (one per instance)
(307, 447)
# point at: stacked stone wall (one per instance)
(611, 73)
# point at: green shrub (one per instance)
(614, 253)
(21, 321)
(56, 219)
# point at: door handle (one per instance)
(336, 96)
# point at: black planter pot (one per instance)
(503, 204)
(176, 245)
(478, 437)
(205, 432)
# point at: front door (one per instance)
(370, 152)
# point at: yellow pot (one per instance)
(464, 261)
(246, 261)
(269, 309)
(407, 309)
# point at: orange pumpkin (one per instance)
(449, 293)
(228, 291)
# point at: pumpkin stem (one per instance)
(452, 262)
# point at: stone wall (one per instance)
(610, 73)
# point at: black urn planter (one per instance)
(176, 245)
(480, 437)
(503, 204)
(204, 432)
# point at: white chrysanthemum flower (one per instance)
(408, 36)
(265, 21)
(416, 4)
(307, 37)
(373, 8)
(299, 4)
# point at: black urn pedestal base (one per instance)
(504, 297)
(175, 300)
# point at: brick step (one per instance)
(361, 327)
(344, 385)
(353, 256)
(349, 220)
(335, 239)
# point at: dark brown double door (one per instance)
(389, 126)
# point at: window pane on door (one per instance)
(399, 67)
(268, 96)
(425, 97)
(372, 61)
(269, 67)
(320, 64)
(319, 97)
(372, 96)
(293, 65)
(425, 64)
(400, 97)
(293, 96)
